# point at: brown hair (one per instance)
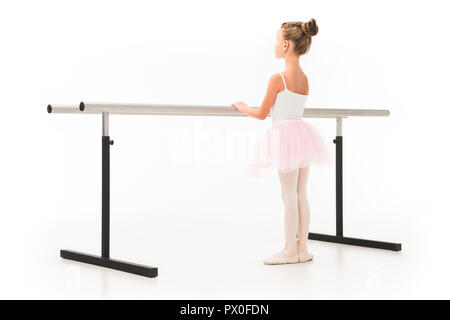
(300, 33)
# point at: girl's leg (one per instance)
(289, 254)
(303, 208)
(288, 181)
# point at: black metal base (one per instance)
(356, 241)
(133, 268)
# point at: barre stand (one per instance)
(104, 260)
(339, 237)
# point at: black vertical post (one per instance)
(339, 188)
(104, 260)
(339, 237)
(105, 196)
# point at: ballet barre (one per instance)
(105, 109)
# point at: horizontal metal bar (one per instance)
(202, 110)
(64, 108)
(356, 241)
(133, 268)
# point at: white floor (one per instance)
(216, 253)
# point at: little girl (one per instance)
(291, 144)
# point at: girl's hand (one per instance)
(239, 105)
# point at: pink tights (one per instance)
(297, 213)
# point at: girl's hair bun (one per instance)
(310, 28)
(300, 34)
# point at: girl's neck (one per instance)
(292, 64)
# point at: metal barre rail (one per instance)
(105, 109)
(201, 110)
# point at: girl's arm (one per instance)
(271, 93)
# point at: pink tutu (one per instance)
(287, 145)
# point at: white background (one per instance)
(207, 226)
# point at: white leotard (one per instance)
(288, 105)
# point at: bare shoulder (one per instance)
(303, 77)
(305, 82)
(275, 77)
(275, 81)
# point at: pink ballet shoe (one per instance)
(283, 257)
(304, 256)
